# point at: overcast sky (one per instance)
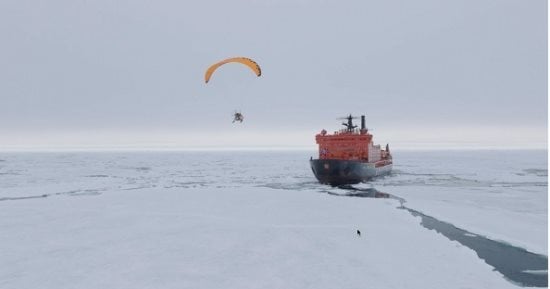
(130, 73)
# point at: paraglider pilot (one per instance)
(238, 117)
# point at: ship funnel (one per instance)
(363, 122)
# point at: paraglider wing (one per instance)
(243, 60)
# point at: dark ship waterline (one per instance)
(349, 156)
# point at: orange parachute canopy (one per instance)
(243, 60)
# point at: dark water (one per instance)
(516, 264)
(512, 262)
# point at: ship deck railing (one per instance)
(346, 131)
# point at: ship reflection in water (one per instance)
(349, 156)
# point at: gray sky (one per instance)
(130, 73)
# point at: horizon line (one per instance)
(415, 147)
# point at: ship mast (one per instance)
(349, 125)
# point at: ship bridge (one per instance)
(350, 143)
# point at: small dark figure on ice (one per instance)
(358, 233)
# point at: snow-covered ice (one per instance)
(502, 195)
(257, 220)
